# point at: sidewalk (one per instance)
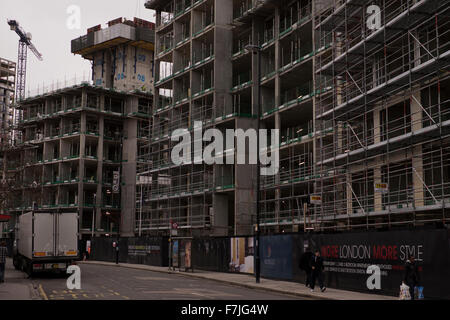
(16, 285)
(283, 287)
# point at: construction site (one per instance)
(7, 110)
(385, 163)
(361, 114)
(76, 148)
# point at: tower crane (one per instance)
(24, 44)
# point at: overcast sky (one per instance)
(47, 21)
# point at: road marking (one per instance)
(153, 279)
(201, 295)
(41, 290)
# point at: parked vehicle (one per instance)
(46, 242)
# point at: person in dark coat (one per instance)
(317, 268)
(411, 277)
(306, 266)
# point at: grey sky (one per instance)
(47, 21)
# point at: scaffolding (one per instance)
(388, 106)
(8, 135)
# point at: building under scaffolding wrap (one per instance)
(75, 148)
(7, 122)
(361, 113)
(386, 161)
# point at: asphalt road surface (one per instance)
(112, 283)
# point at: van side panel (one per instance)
(25, 240)
(67, 242)
(44, 234)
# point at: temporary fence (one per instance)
(347, 256)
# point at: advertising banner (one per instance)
(187, 254)
(242, 256)
(148, 251)
(175, 254)
(348, 256)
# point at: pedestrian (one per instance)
(305, 265)
(317, 268)
(411, 278)
(3, 254)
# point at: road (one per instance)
(113, 283)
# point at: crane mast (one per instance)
(24, 44)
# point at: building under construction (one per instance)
(385, 163)
(77, 148)
(7, 90)
(360, 109)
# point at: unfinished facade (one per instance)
(361, 112)
(74, 142)
(194, 83)
(78, 146)
(385, 163)
(7, 91)
(7, 116)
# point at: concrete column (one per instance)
(245, 183)
(220, 205)
(378, 199)
(102, 106)
(81, 163)
(223, 67)
(84, 98)
(376, 125)
(128, 175)
(99, 199)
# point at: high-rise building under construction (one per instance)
(78, 145)
(7, 116)
(358, 89)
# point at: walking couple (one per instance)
(312, 264)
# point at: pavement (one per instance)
(16, 285)
(248, 281)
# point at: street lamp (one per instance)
(93, 216)
(256, 50)
(119, 135)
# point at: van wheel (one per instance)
(23, 265)
(29, 269)
(16, 263)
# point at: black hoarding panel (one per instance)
(211, 254)
(102, 249)
(148, 251)
(347, 257)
